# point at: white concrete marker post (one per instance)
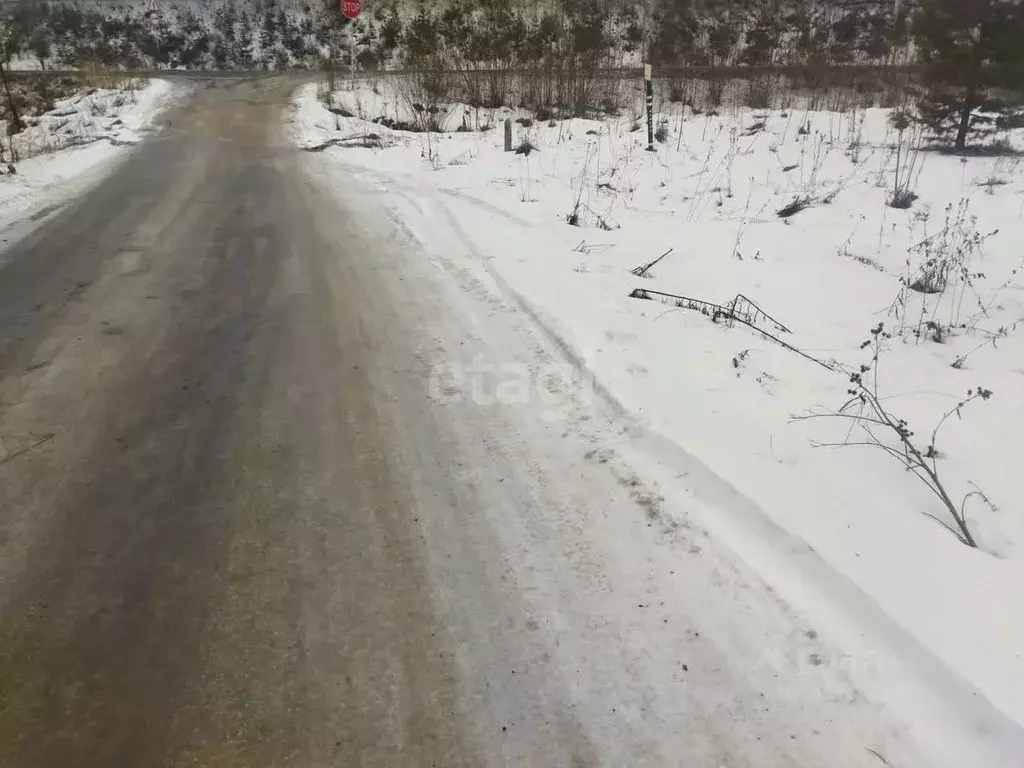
(649, 89)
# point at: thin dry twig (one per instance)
(644, 271)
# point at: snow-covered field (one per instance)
(65, 147)
(847, 534)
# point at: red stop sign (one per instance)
(351, 8)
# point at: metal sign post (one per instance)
(351, 9)
(649, 89)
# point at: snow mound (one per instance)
(79, 137)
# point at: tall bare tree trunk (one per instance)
(971, 97)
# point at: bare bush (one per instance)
(909, 138)
(992, 340)
(328, 83)
(940, 277)
(881, 429)
(945, 257)
(761, 92)
(427, 94)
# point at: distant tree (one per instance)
(14, 123)
(632, 29)
(331, 22)
(973, 65)
(39, 44)
(846, 35)
(422, 36)
(269, 32)
(455, 26)
(244, 53)
(21, 21)
(221, 54)
(877, 42)
(153, 43)
(193, 40)
(762, 39)
(588, 25)
(809, 37)
(67, 20)
(675, 31)
(390, 33)
(723, 33)
(226, 19)
(543, 44)
(292, 38)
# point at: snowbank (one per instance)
(77, 138)
(724, 397)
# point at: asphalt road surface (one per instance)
(235, 529)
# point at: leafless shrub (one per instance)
(576, 217)
(675, 91)
(945, 258)
(940, 277)
(328, 83)
(1001, 175)
(745, 220)
(881, 429)
(902, 199)
(525, 148)
(761, 92)
(992, 341)
(715, 92)
(910, 136)
(427, 93)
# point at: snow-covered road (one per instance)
(297, 469)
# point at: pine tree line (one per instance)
(233, 37)
(669, 33)
(969, 52)
(237, 35)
